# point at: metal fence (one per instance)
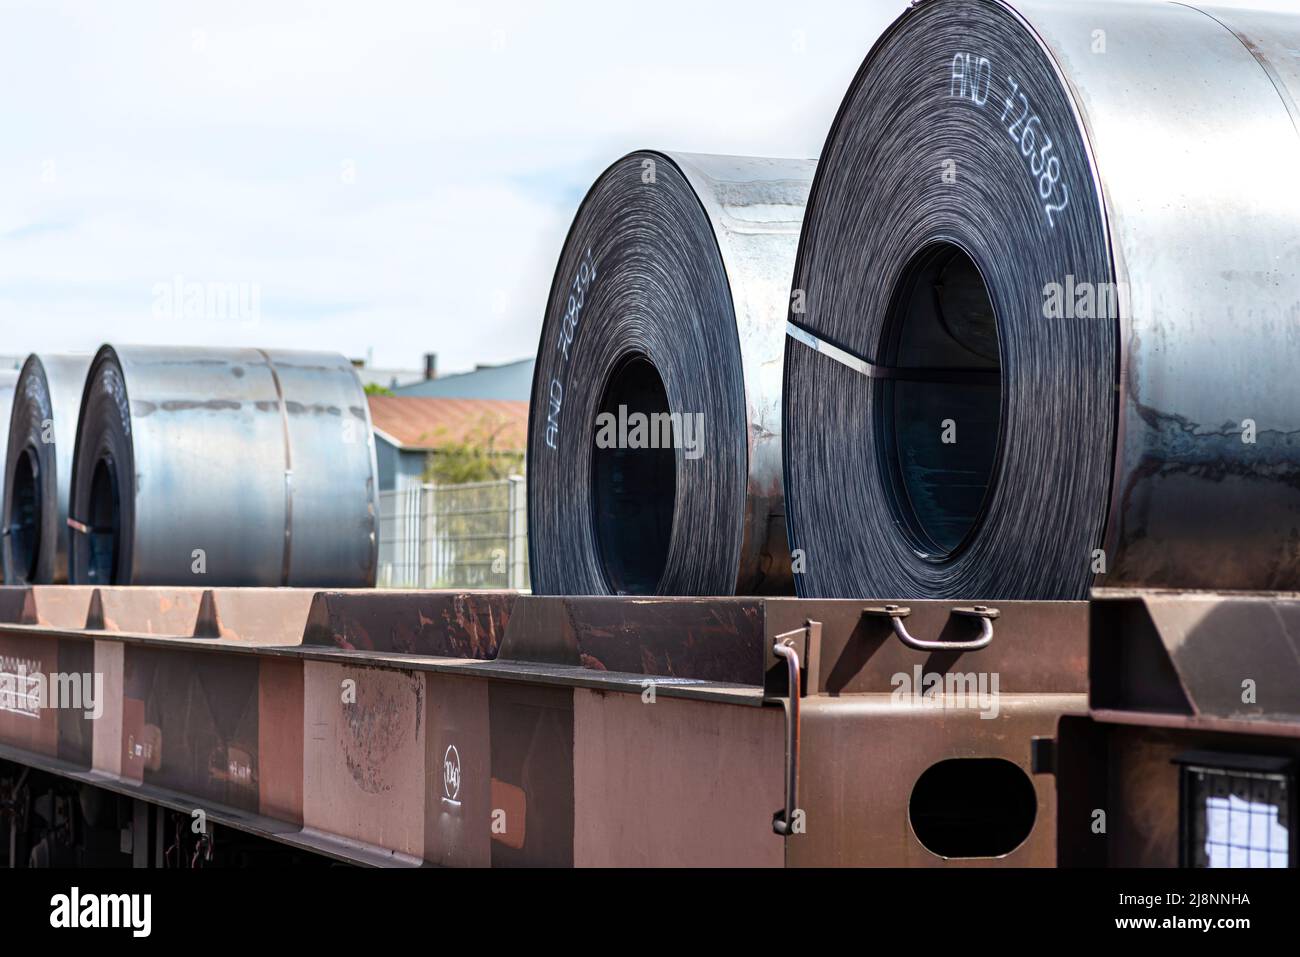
(454, 536)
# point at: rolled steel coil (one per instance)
(223, 467)
(669, 300)
(38, 469)
(8, 384)
(1049, 336)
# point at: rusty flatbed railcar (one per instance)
(445, 728)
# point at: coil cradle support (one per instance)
(1046, 338)
(788, 647)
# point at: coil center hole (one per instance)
(25, 515)
(940, 417)
(634, 487)
(105, 521)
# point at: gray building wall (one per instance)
(514, 380)
(398, 467)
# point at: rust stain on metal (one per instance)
(441, 624)
(375, 728)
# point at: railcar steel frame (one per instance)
(446, 728)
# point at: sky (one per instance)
(377, 178)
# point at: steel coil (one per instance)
(223, 467)
(669, 300)
(38, 467)
(8, 384)
(1051, 279)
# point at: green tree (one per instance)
(478, 457)
(473, 524)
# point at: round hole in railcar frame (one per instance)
(972, 807)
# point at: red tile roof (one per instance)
(422, 423)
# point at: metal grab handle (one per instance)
(896, 614)
(782, 823)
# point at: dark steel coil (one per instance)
(223, 467)
(960, 422)
(8, 383)
(669, 297)
(38, 469)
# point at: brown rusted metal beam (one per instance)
(494, 728)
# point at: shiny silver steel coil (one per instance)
(223, 467)
(38, 469)
(1051, 265)
(669, 300)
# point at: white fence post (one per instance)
(425, 540)
(454, 536)
(518, 542)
